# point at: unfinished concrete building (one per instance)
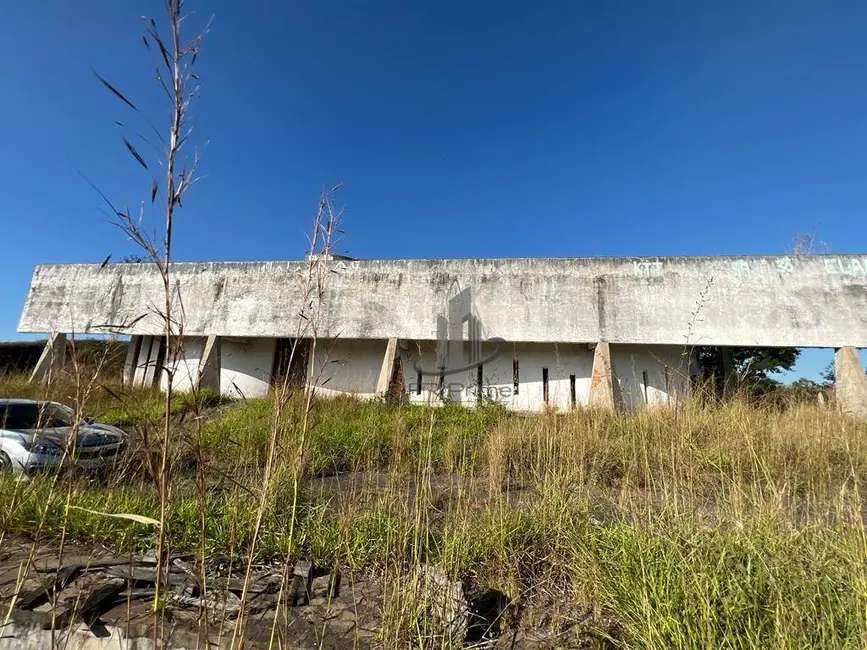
(527, 333)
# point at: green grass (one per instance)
(728, 526)
(351, 435)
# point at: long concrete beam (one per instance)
(808, 301)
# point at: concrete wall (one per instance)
(661, 373)
(347, 366)
(805, 301)
(647, 375)
(651, 375)
(245, 366)
(187, 365)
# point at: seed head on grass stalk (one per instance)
(175, 63)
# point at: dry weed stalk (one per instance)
(324, 235)
(179, 83)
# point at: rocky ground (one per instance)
(298, 606)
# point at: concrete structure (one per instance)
(528, 333)
(850, 383)
(52, 359)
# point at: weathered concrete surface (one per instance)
(604, 388)
(245, 366)
(209, 366)
(384, 379)
(805, 301)
(52, 359)
(850, 386)
(131, 361)
(146, 370)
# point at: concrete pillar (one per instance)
(850, 386)
(146, 369)
(209, 365)
(385, 371)
(604, 388)
(131, 360)
(52, 359)
(141, 362)
(153, 372)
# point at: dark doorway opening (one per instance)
(290, 363)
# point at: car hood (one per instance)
(88, 436)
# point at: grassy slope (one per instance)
(723, 526)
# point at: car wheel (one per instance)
(5, 464)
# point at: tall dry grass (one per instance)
(728, 525)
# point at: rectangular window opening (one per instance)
(572, 391)
(545, 385)
(418, 383)
(480, 378)
(515, 375)
(644, 384)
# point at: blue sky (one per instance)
(457, 128)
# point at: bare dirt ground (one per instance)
(99, 592)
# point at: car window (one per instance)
(60, 416)
(21, 416)
(33, 416)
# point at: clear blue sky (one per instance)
(458, 128)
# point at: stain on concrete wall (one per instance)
(806, 301)
(348, 366)
(245, 366)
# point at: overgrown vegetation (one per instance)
(722, 525)
(715, 525)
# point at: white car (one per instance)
(38, 436)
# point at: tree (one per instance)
(752, 367)
(829, 374)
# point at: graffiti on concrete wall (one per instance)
(647, 269)
(746, 268)
(846, 266)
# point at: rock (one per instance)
(303, 568)
(446, 602)
(300, 587)
(327, 586)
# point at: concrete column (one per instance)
(850, 387)
(129, 363)
(52, 359)
(209, 365)
(385, 371)
(146, 368)
(141, 362)
(153, 370)
(604, 389)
